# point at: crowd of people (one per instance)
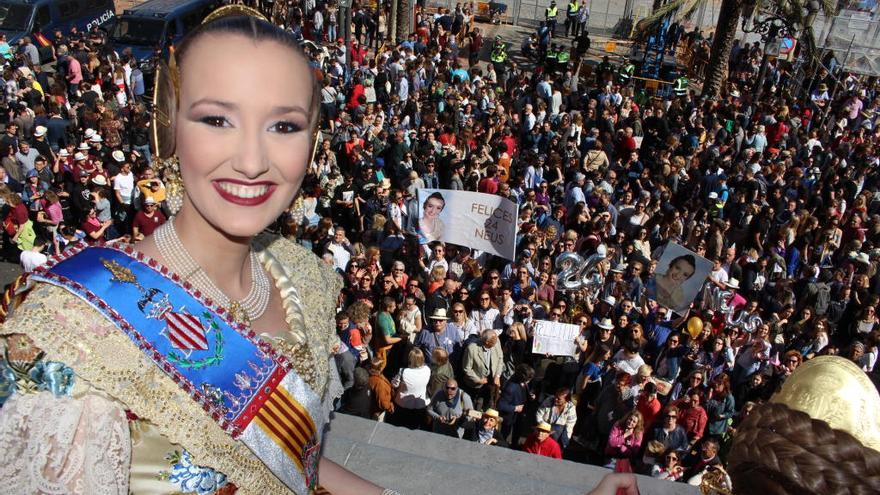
(779, 194)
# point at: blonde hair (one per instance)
(415, 359)
(438, 273)
(519, 329)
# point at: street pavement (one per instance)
(8, 272)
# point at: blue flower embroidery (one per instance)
(191, 478)
(53, 376)
(34, 377)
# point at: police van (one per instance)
(41, 18)
(153, 27)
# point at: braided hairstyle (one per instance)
(781, 451)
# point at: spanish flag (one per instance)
(42, 40)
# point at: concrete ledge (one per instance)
(418, 462)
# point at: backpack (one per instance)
(822, 298)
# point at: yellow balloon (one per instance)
(695, 326)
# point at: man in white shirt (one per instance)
(34, 258)
(123, 187)
(123, 183)
(340, 247)
(26, 156)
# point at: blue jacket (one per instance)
(513, 394)
(676, 439)
(720, 412)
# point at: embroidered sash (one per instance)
(247, 388)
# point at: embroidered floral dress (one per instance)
(84, 410)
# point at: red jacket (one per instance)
(649, 411)
(693, 420)
(547, 448)
(488, 185)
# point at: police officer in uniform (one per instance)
(499, 56)
(680, 87)
(562, 58)
(571, 17)
(550, 14)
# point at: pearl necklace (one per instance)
(178, 259)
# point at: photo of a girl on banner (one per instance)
(430, 225)
(680, 274)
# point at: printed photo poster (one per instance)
(476, 220)
(678, 278)
(554, 338)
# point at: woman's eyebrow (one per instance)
(232, 106)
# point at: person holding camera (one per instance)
(450, 410)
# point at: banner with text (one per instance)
(554, 338)
(476, 220)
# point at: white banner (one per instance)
(556, 339)
(476, 220)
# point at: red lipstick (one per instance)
(243, 193)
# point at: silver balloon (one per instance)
(575, 273)
(724, 300)
(716, 299)
(752, 323)
(569, 265)
(744, 320)
(591, 274)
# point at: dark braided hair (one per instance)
(781, 451)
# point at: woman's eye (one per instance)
(286, 127)
(214, 121)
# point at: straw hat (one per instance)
(439, 314)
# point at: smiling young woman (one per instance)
(202, 357)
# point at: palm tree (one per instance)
(800, 14)
(722, 43)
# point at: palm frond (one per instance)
(679, 8)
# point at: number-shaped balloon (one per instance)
(569, 265)
(591, 275)
(575, 273)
